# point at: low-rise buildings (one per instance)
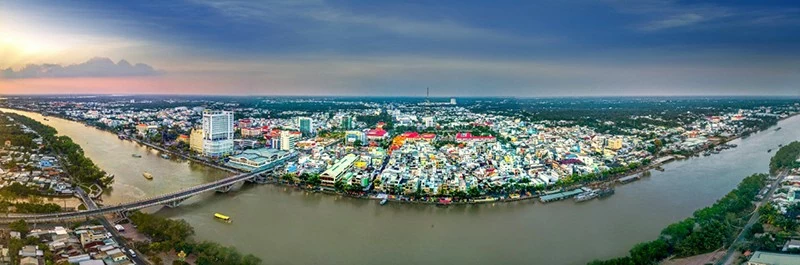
(337, 170)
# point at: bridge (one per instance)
(171, 200)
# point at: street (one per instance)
(729, 258)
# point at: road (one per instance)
(729, 258)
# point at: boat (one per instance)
(770, 150)
(628, 179)
(136, 155)
(165, 156)
(659, 168)
(384, 201)
(147, 175)
(780, 145)
(605, 192)
(707, 153)
(46, 119)
(222, 217)
(586, 196)
(778, 129)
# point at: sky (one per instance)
(458, 48)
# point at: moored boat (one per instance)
(136, 155)
(586, 196)
(605, 192)
(147, 175)
(384, 201)
(165, 156)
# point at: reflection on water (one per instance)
(286, 226)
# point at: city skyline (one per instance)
(351, 48)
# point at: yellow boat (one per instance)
(147, 175)
(222, 217)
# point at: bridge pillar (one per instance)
(260, 179)
(224, 189)
(175, 203)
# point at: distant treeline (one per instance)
(708, 229)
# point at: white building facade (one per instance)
(217, 133)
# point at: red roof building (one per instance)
(428, 136)
(245, 123)
(411, 135)
(377, 134)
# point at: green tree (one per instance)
(19, 226)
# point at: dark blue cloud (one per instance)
(95, 67)
(517, 29)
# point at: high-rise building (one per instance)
(348, 123)
(196, 140)
(289, 139)
(217, 133)
(306, 125)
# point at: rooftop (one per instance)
(768, 258)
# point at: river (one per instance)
(284, 226)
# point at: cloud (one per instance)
(660, 15)
(278, 11)
(674, 22)
(95, 67)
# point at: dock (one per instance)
(663, 160)
(560, 195)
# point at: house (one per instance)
(78, 259)
(183, 138)
(31, 251)
(117, 256)
(5, 258)
(29, 261)
(90, 236)
(791, 244)
(91, 262)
